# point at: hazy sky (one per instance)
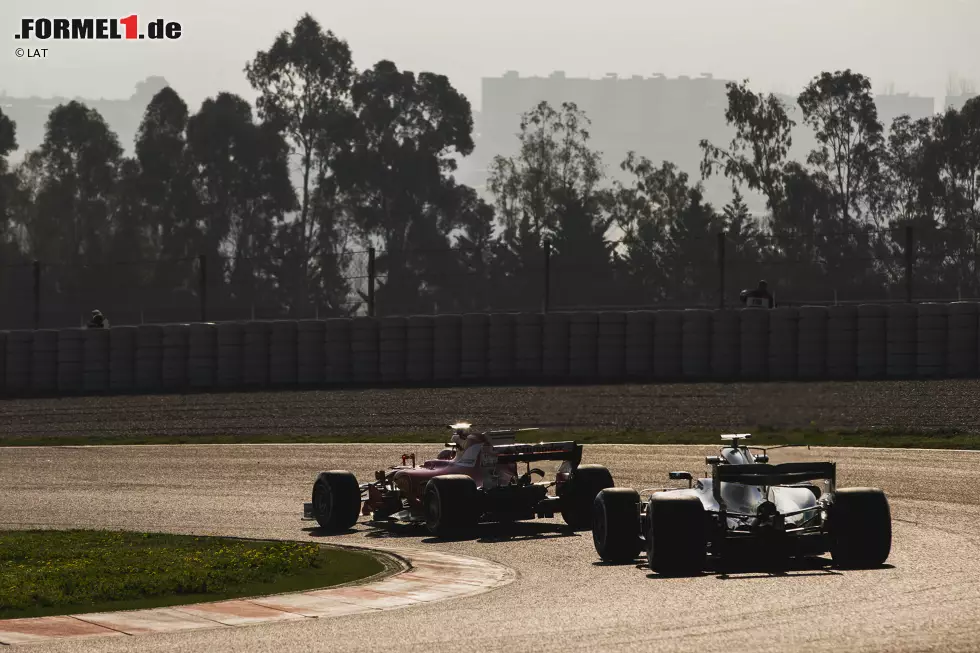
(778, 44)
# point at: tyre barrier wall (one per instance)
(44, 361)
(230, 338)
(668, 345)
(419, 363)
(337, 351)
(202, 345)
(841, 342)
(528, 339)
(556, 334)
(446, 352)
(392, 349)
(283, 343)
(783, 340)
(583, 345)
(639, 343)
(872, 349)
(754, 344)
(365, 335)
(962, 346)
(473, 345)
(696, 344)
(726, 344)
(501, 336)
(902, 331)
(611, 346)
(95, 361)
(811, 344)
(149, 355)
(311, 348)
(907, 341)
(122, 358)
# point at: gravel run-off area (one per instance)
(919, 405)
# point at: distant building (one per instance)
(657, 117)
(891, 107)
(957, 102)
(122, 116)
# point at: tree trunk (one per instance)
(300, 301)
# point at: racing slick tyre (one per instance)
(336, 500)
(676, 543)
(579, 493)
(451, 505)
(860, 528)
(615, 516)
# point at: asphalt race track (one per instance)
(927, 598)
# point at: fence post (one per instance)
(370, 282)
(37, 295)
(546, 295)
(202, 261)
(721, 269)
(909, 262)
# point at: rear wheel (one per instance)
(860, 528)
(451, 505)
(336, 500)
(579, 493)
(615, 518)
(676, 542)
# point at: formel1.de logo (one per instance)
(98, 29)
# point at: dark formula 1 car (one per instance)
(744, 506)
(476, 478)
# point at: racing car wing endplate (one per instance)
(784, 474)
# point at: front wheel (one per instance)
(336, 500)
(451, 505)
(579, 492)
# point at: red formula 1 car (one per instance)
(475, 479)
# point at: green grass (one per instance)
(69, 572)
(880, 437)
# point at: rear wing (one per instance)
(784, 474)
(769, 475)
(528, 453)
(506, 436)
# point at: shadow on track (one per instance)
(788, 568)
(316, 531)
(749, 569)
(484, 533)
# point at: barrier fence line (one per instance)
(910, 265)
(869, 341)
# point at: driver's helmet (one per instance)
(735, 456)
(461, 435)
(446, 454)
